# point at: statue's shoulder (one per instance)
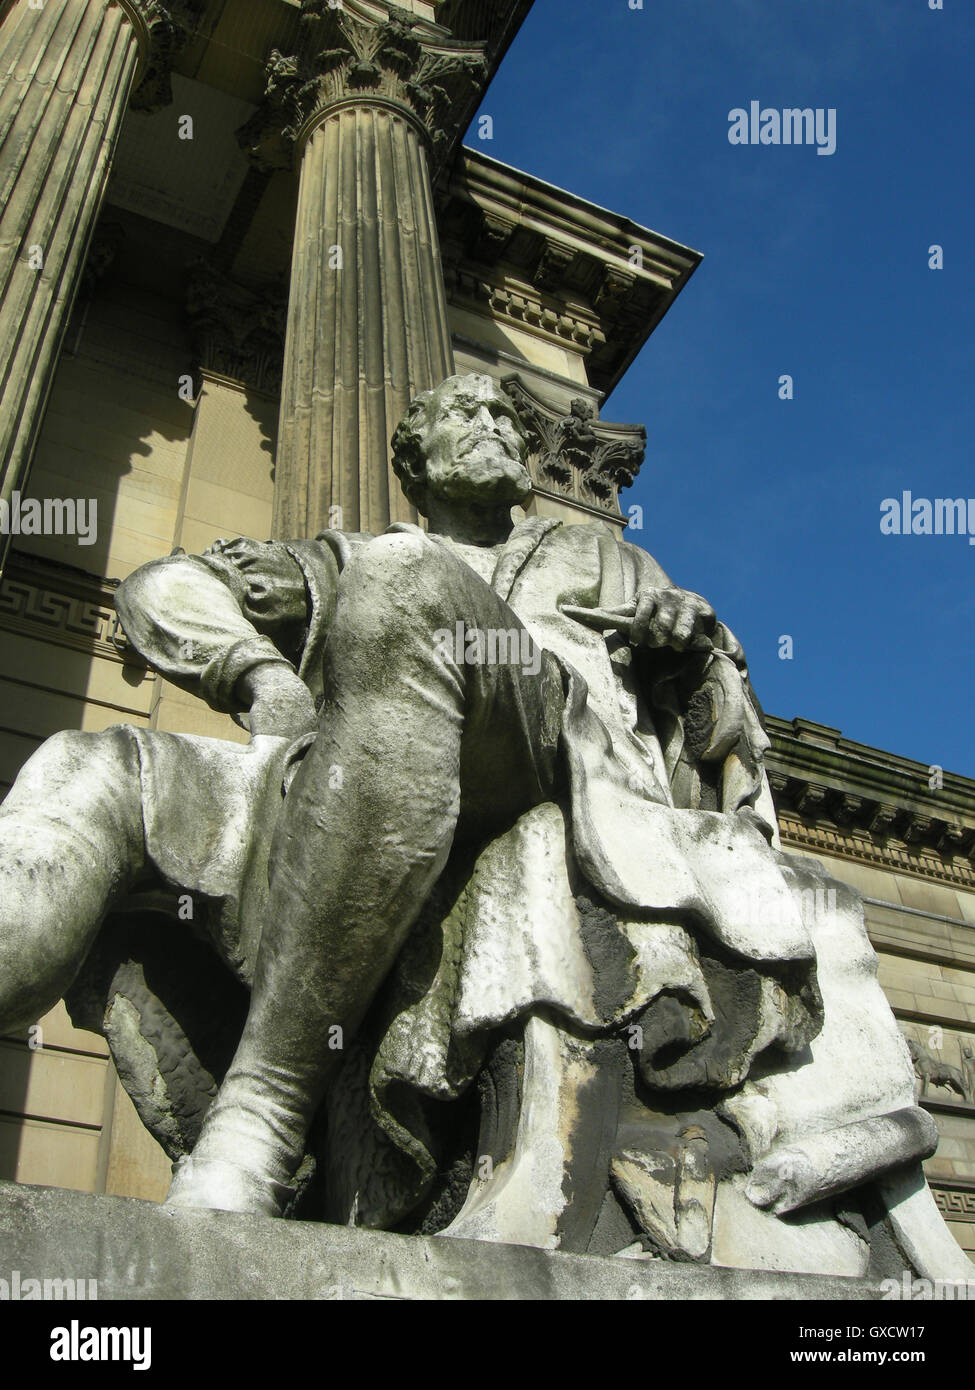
(576, 538)
(339, 546)
(635, 565)
(335, 537)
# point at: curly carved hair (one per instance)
(409, 460)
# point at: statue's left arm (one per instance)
(227, 626)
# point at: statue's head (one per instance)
(462, 441)
(914, 1050)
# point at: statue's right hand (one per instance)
(280, 703)
(668, 617)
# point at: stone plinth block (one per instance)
(138, 1250)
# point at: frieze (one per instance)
(881, 819)
(955, 1204)
(76, 611)
(860, 847)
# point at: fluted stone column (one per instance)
(364, 334)
(365, 108)
(66, 74)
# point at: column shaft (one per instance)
(366, 335)
(66, 73)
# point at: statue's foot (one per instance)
(215, 1184)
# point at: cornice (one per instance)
(866, 849)
(819, 745)
(868, 788)
(572, 270)
(863, 803)
(524, 307)
(494, 22)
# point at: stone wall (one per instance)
(907, 849)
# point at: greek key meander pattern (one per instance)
(86, 625)
(953, 1205)
(902, 858)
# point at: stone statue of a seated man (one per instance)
(503, 819)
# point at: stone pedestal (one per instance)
(137, 1250)
(67, 71)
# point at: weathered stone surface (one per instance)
(370, 104)
(67, 70)
(544, 868)
(136, 1250)
(367, 320)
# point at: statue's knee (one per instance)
(49, 764)
(75, 747)
(67, 745)
(77, 766)
(31, 983)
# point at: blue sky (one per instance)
(815, 266)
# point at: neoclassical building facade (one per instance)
(236, 238)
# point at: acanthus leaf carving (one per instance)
(615, 290)
(578, 454)
(347, 55)
(884, 818)
(552, 266)
(237, 332)
(169, 27)
(955, 839)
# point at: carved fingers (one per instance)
(673, 618)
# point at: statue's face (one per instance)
(474, 444)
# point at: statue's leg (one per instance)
(71, 841)
(410, 744)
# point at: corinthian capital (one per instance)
(577, 455)
(366, 52)
(162, 30)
